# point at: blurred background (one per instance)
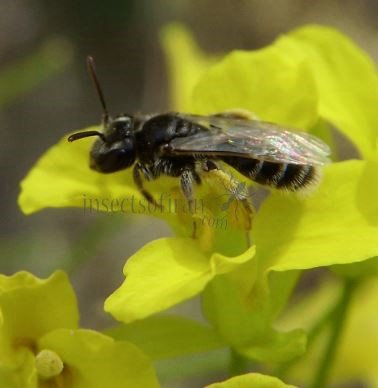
(45, 92)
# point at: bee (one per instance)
(185, 145)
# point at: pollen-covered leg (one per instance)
(138, 168)
(187, 178)
(186, 183)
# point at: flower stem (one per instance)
(339, 315)
(238, 363)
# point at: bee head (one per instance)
(114, 150)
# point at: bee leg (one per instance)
(187, 178)
(138, 168)
(186, 184)
(209, 165)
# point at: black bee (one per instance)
(184, 145)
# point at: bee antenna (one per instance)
(93, 74)
(82, 135)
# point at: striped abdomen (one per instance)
(293, 177)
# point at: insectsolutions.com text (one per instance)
(165, 204)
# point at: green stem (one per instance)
(283, 369)
(340, 315)
(238, 363)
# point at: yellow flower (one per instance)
(42, 346)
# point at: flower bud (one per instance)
(48, 364)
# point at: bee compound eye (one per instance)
(118, 157)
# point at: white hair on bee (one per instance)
(297, 186)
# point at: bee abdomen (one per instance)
(282, 176)
(298, 177)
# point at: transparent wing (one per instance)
(250, 139)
